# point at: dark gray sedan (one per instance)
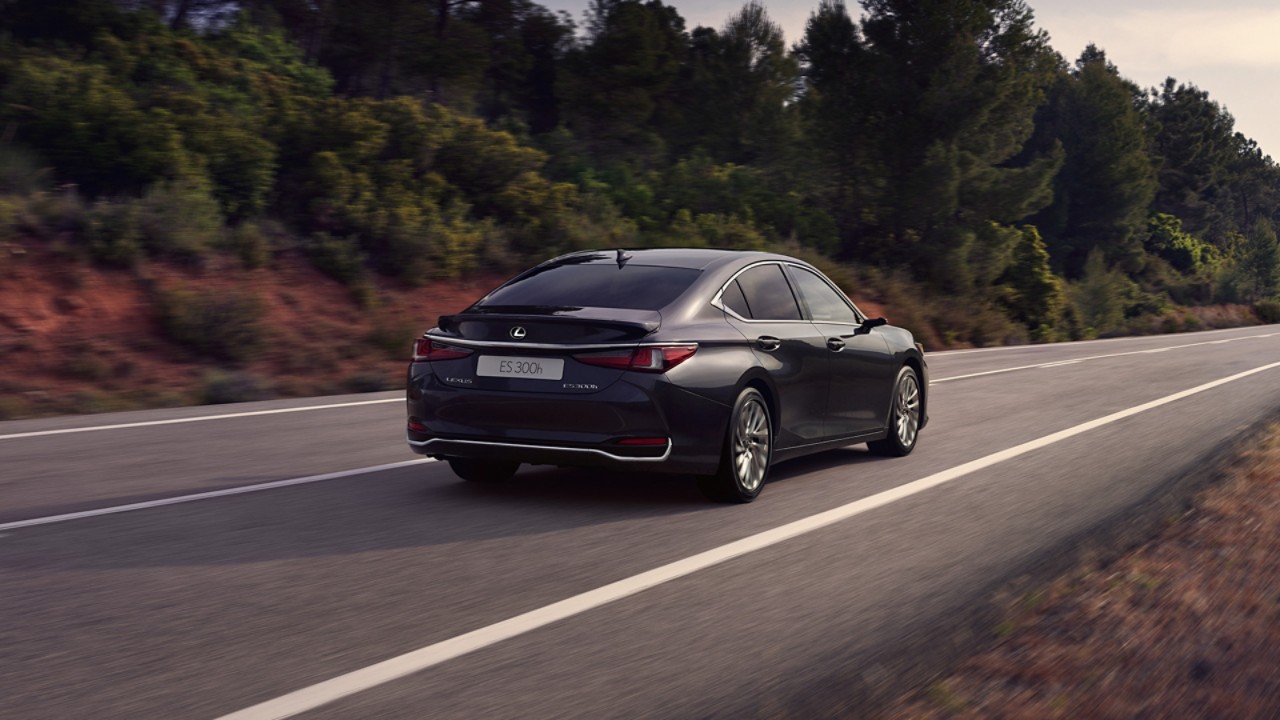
(717, 363)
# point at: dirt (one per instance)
(1185, 626)
(74, 338)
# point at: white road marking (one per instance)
(1046, 346)
(397, 667)
(200, 418)
(1054, 363)
(50, 519)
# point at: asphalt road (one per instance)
(212, 606)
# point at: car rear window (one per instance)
(630, 287)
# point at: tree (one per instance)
(1108, 177)
(1034, 295)
(1195, 141)
(741, 88)
(1259, 269)
(617, 89)
(958, 83)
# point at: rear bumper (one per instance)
(536, 454)
(569, 429)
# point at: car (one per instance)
(714, 363)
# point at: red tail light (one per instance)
(644, 359)
(428, 350)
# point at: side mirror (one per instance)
(870, 324)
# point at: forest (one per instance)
(938, 155)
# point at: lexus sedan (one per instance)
(716, 363)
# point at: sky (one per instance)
(1231, 50)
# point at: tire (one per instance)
(747, 453)
(904, 417)
(487, 471)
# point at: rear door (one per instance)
(862, 369)
(763, 307)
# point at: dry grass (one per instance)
(1186, 626)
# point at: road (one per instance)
(379, 586)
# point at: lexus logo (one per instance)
(518, 332)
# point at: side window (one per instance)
(825, 304)
(768, 294)
(735, 300)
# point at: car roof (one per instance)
(692, 258)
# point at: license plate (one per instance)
(520, 367)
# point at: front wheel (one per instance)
(904, 417)
(748, 450)
(483, 470)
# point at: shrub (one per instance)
(369, 381)
(219, 387)
(338, 257)
(113, 234)
(251, 245)
(179, 219)
(1268, 311)
(221, 325)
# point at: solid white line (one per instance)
(50, 519)
(339, 687)
(1053, 363)
(1171, 336)
(201, 418)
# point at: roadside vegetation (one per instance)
(939, 159)
(1185, 625)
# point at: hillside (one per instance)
(77, 339)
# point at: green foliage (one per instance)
(1184, 252)
(1034, 295)
(1260, 263)
(114, 235)
(1108, 179)
(219, 386)
(250, 242)
(1101, 296)
(179, 219)
(222, 326)
(83, 120)
(338, 257)
(1268, 311)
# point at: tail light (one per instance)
(657, 359)
(427, 350)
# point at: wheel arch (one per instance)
(757, 378)
(917, 364)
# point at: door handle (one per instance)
(835, 344)
(768, 343)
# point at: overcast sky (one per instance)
(1230, 48)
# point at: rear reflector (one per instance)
(428, 350)
(656, 359)
(416, 425)
(646, 441)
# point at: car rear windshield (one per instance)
(600, 285)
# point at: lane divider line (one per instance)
(1172, 336)
(1052, 363)
(339, 687)
(115, 509)
(201, 418)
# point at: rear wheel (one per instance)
(904, 417)
(483, 470)
(748, 450)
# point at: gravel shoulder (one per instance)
(1184, 625)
